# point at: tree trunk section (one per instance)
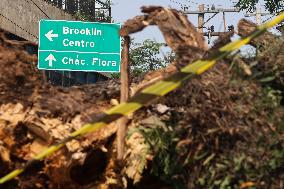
(246, 27)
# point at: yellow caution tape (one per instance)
(150, 93)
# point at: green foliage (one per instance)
(271, 97)
(162, 142)
(99, 17)
(254, 160)
(259, 160)
(82, 16)
(230, 171)
(272, 6)
(266, 67)
(147, 57)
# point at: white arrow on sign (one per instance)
(50, 59)
(50, 35)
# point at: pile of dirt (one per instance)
(18, 75)
(34, 115)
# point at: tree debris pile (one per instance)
(17, 73)
(214, 132)
(34, 115)
(222, 130)
(268, 66)
(219, 130)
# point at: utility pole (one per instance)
(201, 18)
(224, 20)
(258, 14)
(201, 14)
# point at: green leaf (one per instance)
(267, 79)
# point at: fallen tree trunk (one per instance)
(246, 27)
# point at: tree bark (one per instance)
(246, 27)
(124, 96)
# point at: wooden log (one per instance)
(179, 34)
(174, 25)
(246, 27)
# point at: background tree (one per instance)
(273, 6)
(147, 56)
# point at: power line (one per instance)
(40, 9)
(191, 2)
(209, 19)
(258, 14)
(269, 18)
(182, 5)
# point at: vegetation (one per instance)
(214, 149)
(272, 6)
(147, 56)
(201, 143)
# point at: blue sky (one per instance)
(125, 9)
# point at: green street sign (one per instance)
(79, 46)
